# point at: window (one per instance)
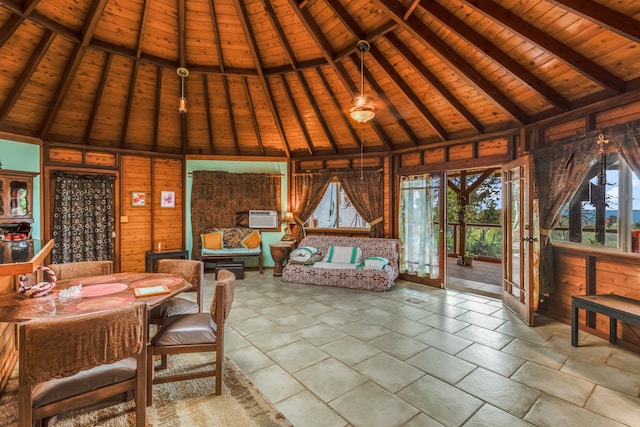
(336, 211)
(605, 210)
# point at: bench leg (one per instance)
(574, 324)
(613, 330)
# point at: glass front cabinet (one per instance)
(16, 197)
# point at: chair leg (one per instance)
(164, 362)
(150, 376)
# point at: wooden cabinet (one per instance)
(16, 197)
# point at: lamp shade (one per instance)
(288, 218)
(362, 114)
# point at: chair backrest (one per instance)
(61, 347)
(72, 270)
(190, 270)
(64, 346)
(223, 296)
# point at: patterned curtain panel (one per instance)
(629, 146)
(560, 169)
(83, 218)
(217, 197)
(308, 189)
(419, 252)
(365, 191)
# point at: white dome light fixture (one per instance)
(362, 110)
(182, 106)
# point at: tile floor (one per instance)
(419, 356)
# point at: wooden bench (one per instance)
(615, 306)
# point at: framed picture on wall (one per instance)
(167, 199)
(138, 198)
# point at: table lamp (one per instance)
(288, 218)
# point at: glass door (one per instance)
(520, 239)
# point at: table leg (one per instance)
(613, 330)
(574, 324)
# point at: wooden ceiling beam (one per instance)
(338, 107)
(570, 57)
(9, 27)
(252, 111)
(142, 28)
(93, 17)
(474, 38)
(296, 113)
(409, 93)
(98, 97)
(316, 110)
(456, 61)
(25, 74)
(156, 120)
(46, 23)
(380, 94)
(610, 19)
(242, 14)
(232, 117)
(360, 34)
(434, 81)
(207, 110)
(127, 109)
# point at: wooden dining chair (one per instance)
(71, 362)
(194, 333)
(193, 272)
(73, 270)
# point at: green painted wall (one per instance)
(238, 167)
(19, 156)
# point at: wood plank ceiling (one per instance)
(277, 77)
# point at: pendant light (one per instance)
(182, 106)
(362, 110)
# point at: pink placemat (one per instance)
(102, 289)
(155, 281)
(93, 280)
(97, 304)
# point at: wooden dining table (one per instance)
(97, 293)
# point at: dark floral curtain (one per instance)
(629, 146)
(365, 191)
(560, 169)
(218, 197)
(308, 189)
(83, 221)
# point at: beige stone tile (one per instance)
(608, 376)
(249, 359)
(398, 346)
(493, 360)
(508, 395)
(441, 401)
(479, 319)
(349, 350)
(617, 406)
(275, 383)
(545, 356)
(441, 365)
(558, 384)
(364, 330)
(485, 336)
(490, 416)
(295, 322)
(297, 355)
(271, 339)
(551, 411)
(388, 372)
(305, 409)
(444, 341)
(369, 405)
(444, 323)
(320, 334)
(423, 420)
(329, 379)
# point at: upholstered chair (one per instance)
(194, 333)
(72, 362)
(192, 272)
(72, 270)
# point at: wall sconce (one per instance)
(289, 219)
(182, 106)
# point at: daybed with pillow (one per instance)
(231, 242)
(350, 262)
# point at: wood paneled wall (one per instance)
(580, 271)
(138, 229)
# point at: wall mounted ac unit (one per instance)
(263, 219)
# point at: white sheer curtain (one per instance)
(418, 232)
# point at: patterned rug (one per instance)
(181, 403)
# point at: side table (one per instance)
(150, 256)
(280, 252)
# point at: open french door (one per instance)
(521, 243)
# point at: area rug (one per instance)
(181, 403)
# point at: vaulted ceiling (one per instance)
(277, 77)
